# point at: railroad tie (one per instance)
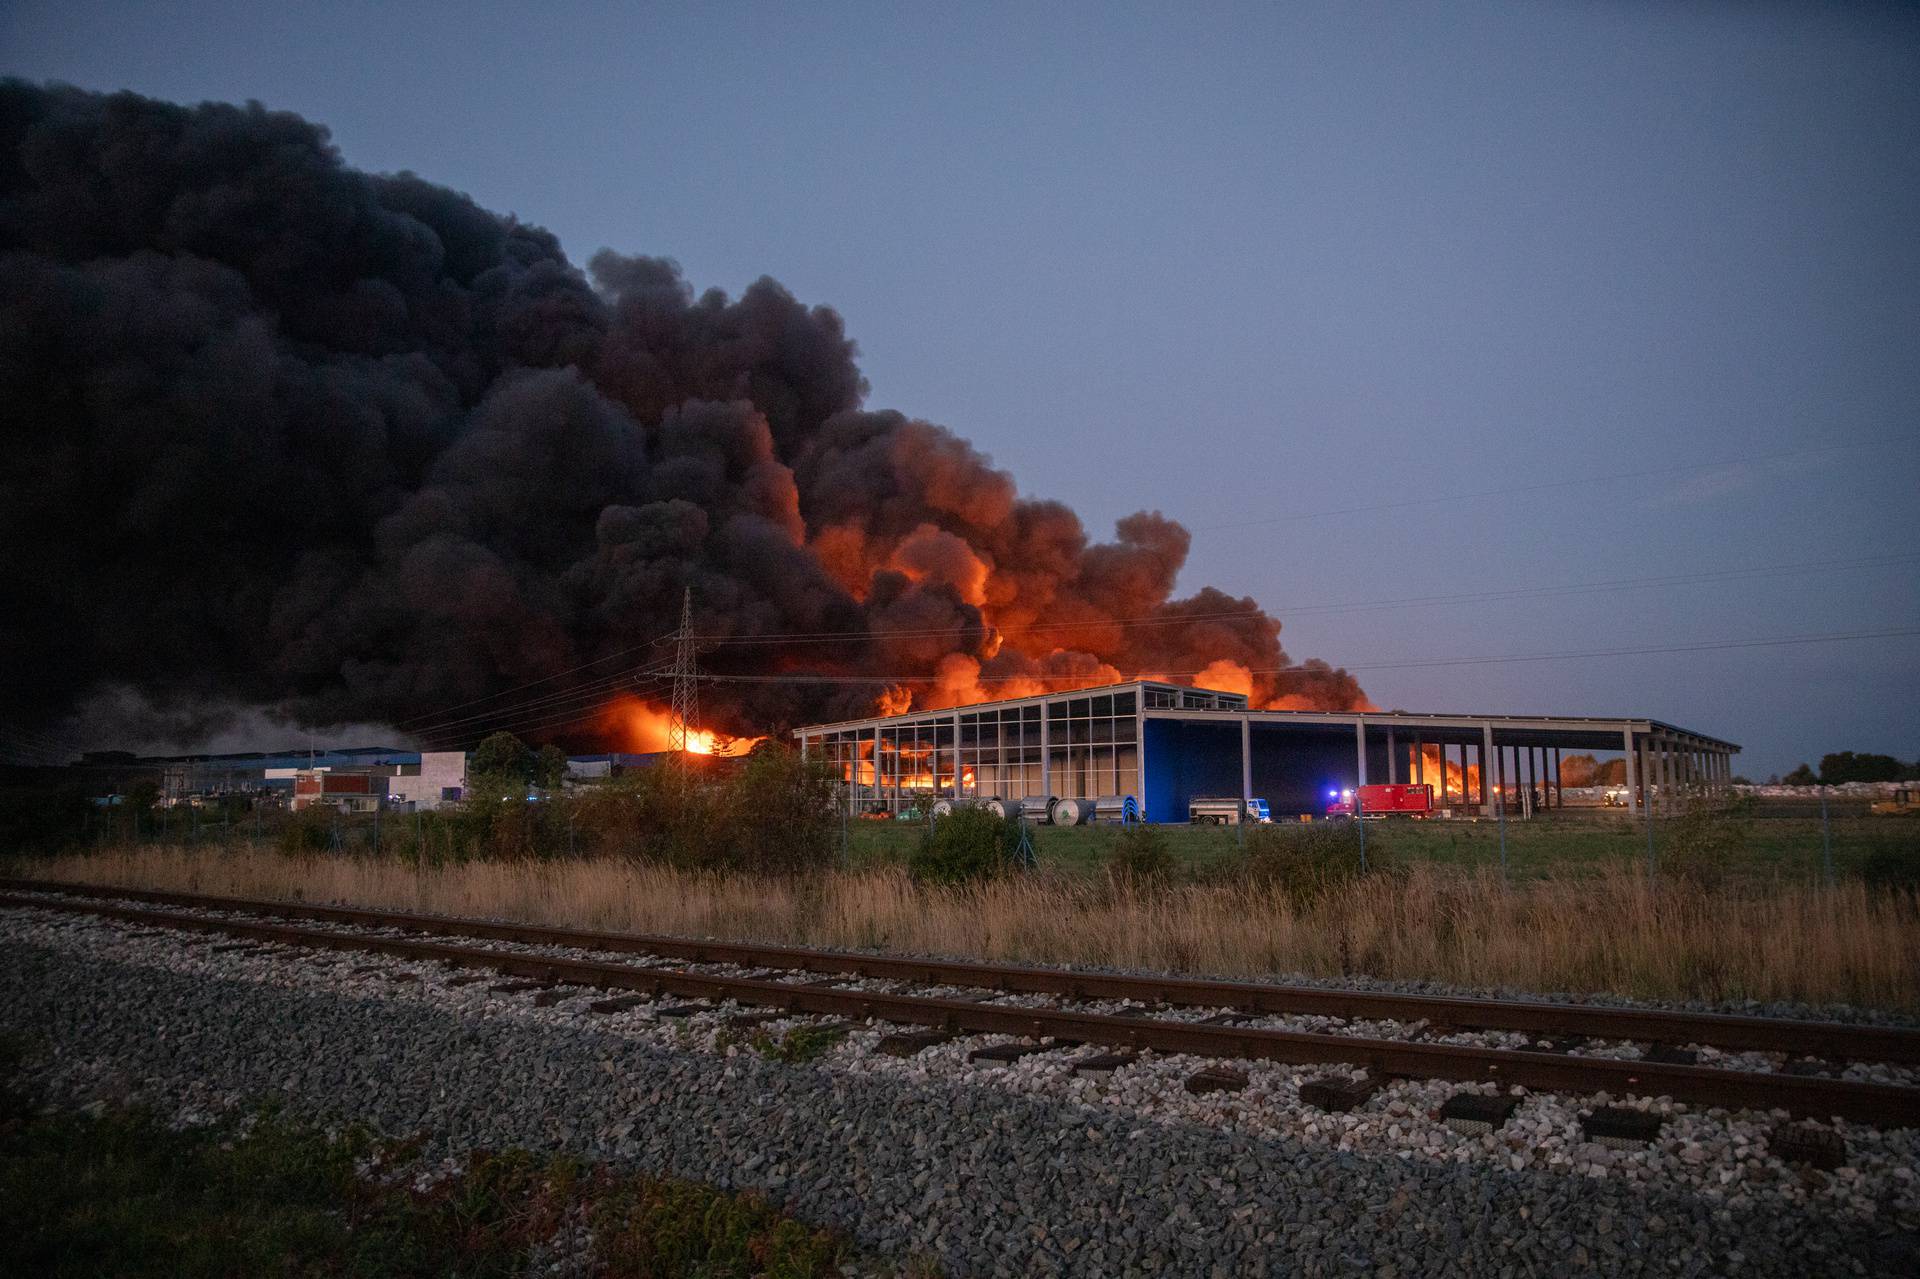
(1561, 1044)
(1815, 1147)
(618, 1004)
(912, 1042)
(1102, 1065)
(1210, 1079)
(1339, 1093)
(1473, 1114)
(1621, 1127)
(1227, 1019)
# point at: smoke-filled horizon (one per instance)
(285, 436)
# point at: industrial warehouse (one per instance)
(1181, 754)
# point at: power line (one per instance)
(570, 709)
(562, 720)
(600, 686)
(544, 679)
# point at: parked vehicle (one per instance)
(1904, 802)
(1384, 801)
(1226, 811)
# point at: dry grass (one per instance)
(1611, 933)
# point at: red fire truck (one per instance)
(1383, 801)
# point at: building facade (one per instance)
(439, 777)
(1168, 745)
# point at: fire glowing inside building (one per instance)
(1172, 748)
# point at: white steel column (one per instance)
(1633, 786)
(1393, 763)
(1046, 755)
(1526, 786)
(1246, 760)
(1360, 748)
(1489, 764)
(956, 754)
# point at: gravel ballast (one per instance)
(984, 1178)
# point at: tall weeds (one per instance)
(1762, 940)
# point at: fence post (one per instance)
(1826, 839)
(1500, 811)
(1359, 819)
(1652, 863)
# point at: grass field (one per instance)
(1781, 840)
(1607, 930)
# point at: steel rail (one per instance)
(1886, 1105)
(1829, 1040)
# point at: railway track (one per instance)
(1412, 1053)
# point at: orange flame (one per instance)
(1447, 782)
(648, 729)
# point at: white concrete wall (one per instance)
(439, 771)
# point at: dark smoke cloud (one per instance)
(283, 434)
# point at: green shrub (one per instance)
(772, 811)
(799, 1044)
(310, 830)
(1703, 841)
(1892, 870)
(37, 820)
(965, 846)
(1139, 858)
(1305, 862)
(781, 813)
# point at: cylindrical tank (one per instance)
(1072, 812)
(1038, 808)
(942, 807)
(995, 805)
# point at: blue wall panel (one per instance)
(1185, 760)
(1161, 757)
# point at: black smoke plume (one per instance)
(282, 434)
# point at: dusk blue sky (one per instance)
(1251, 264)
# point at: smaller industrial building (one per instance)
(354, 779)
(1168, 745)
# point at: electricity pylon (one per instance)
(686, 690)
